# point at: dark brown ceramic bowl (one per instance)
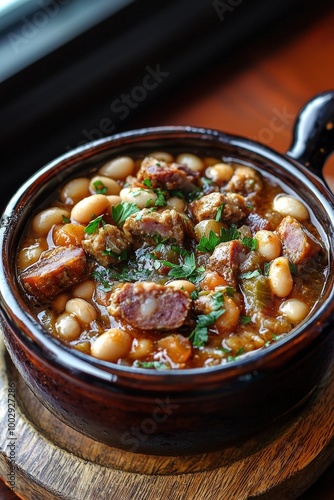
(189, 411)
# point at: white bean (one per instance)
(141, 348)
(89, 208)
(29, 255)
(192, 161)
(82, 310)
(75, 190)
(84, 290)
(185, 285)
(162, 156)
(269, 244)
(112, 345)
(294, 310)
(204, 227)
(143, 198)
(67, 327)
(44, 220)
(59, 303)
(105, 184)
(119, 168)
(220, 172)
(177, 203)
(280, 278)
(114, 200)
(230, 318)
(287, 205)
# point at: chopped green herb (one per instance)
(266, 267)
(139, 215)
(148, 203)
(147, 183)
(194, 295)
(122, 211)
(66, 220)
(176, 193)
(229, 234)
(94, 225)
(238, 353)
(251, 274)
(157, 365)
(180, 250)
(199, 336)
(230, 291)
(251, 243)
(123, 256)
(206, 182)
(107, 276)
(99, 187)
(161, 200)
(208, 244)
(245, 319)
(187, 269)
(293, 268)
(219, 212)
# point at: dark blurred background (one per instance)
(72, 71)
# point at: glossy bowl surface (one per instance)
(178, 412)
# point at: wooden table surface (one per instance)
(242, 96)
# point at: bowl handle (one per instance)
(313, 137)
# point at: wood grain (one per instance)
(281, 463)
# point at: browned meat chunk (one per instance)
(153, 227)
(225, 261)
(245, 181)
(163, 175)
(56, 270)
(107, 245)
(149, 306)
(297, 243)
(234, 207)
(256, 223)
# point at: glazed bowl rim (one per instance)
(66, 358)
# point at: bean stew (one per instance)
(172, 262)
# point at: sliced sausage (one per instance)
(56, 270)
(233, 208)
(225, 260)
(167, 176)
(297, 243)
(149, 306)
(106, 245)
(256, 223)
(153, 227)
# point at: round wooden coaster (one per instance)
(53, 461)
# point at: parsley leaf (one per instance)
(251, 243)
(251, 274)
(106, 276)
(161, 200)
(187, 269)
(99, 187)
(199, 336)
(245, 319)
(147, 183)
(66, 220)
(238, 353)
(158, 365)
(229, 234)
(94, 225)
(208, 244)
(121, 256)
(219, 212)
(122, 211)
